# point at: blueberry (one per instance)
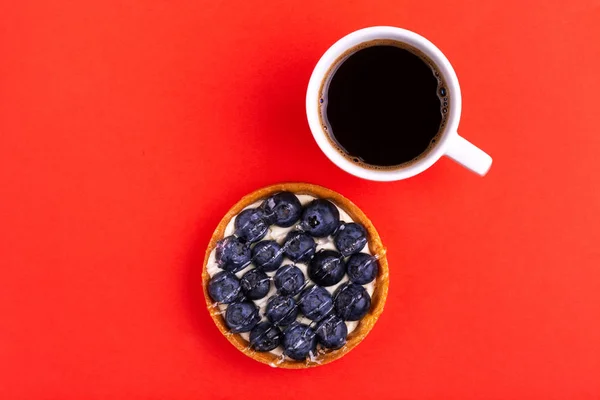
(255, 284)
(350, 238)
(265, 337)
(299, 246)
(232, 254)
(315, 303)
(320, 218)
(332, 332)
(250, 225)
(224, 287)
(289, 280)
(241, 317)
(267, 255)
(352, 302)
(282, 209)
(299, 341)
(362, 268)
(281, 310)
(327, 268)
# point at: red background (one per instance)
(128, 128)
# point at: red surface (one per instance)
(128, 128)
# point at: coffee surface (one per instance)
(384, 105)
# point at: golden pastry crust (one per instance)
(380, 285)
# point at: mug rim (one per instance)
(353, 39)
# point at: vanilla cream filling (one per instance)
(278, 234)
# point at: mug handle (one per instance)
(468, 155)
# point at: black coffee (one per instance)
(384, 105)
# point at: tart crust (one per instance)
(365, 325)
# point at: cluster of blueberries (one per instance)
(350, 302)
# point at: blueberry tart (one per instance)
(295, 275)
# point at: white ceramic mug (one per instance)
(450, 143)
